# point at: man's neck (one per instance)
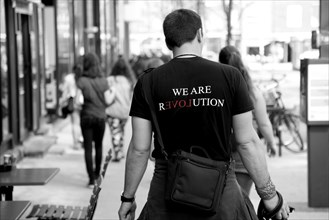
(187, 48)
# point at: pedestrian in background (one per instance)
(139, 64)
(122, 79)
(190, 77)
(154, 62)
(70, 91)
(96, 97)
(231, 56)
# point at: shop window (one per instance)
(78, 29)
(41, 60)
(64, 38)
(4, 72)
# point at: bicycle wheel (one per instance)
(290, 136)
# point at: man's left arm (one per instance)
(251, 151)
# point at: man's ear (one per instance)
(199, 35)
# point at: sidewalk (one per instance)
(289, 173)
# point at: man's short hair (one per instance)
(181, 26)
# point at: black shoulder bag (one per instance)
(193, 182)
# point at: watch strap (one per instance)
(126, 199)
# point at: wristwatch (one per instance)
(125, 199)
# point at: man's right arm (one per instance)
(252, 154)
(138, 154)
(136, 163)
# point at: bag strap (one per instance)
(194, 147)
(149, 100)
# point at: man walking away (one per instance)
(196, 102)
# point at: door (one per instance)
(24, 65)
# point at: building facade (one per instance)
(41, 40)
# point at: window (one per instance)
(4, 71)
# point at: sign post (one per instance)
(314, 101)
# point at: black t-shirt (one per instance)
(195, 100)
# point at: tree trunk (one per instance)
(228, 12)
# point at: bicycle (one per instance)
(284, 122)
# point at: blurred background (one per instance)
(41, 40)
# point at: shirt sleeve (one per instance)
(241, 102)
(139, 106)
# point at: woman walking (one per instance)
(97, 96)
(122, 79)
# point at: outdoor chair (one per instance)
(60, 212)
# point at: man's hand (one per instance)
(271, 204)
(127, 211)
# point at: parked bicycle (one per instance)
(284, 122)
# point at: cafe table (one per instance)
(24, 177)
(13, 210)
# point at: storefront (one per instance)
(21, 70)
(40, 41)
(80, 26)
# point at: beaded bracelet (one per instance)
(268, 191)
